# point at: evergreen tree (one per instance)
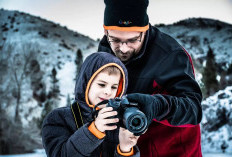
(55, 90)
(68, 100)
(223, 82)
(47, 108)
(209, 74)
(52, 97)
(78, 61)
(229, 71)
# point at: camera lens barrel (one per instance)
(135, 120)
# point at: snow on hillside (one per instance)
(217, 122)
(55, 47)
(41, 153)
(196, 34)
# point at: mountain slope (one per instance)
(196, 34)
(32, 47)
(217, 122)
(53, 46)
(38, 64)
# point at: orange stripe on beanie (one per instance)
(126, 15)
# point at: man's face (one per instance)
(125, 44)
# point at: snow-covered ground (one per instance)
(41, 153)
(44, 155)
(38, 153)
(217, 155)
(26, 155)
(215, 106)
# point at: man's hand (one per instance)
(101, 121)
(126, 140)
(148, 104)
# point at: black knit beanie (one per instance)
(126, 15)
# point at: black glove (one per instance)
(152, 106)
(185, 109)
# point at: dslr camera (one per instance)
(129, 115)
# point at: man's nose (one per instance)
(124, 48)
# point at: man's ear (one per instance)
(105, 31)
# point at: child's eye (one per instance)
(114, 87)
(101, 85)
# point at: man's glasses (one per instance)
(131, 42)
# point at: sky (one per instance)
(86, 16)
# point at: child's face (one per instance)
(103, 87)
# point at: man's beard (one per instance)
(124, 56)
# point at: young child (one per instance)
(102, 77)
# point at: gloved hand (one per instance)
(152, 106)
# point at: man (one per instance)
(161, 80)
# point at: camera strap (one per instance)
(77, 114)
(95, 109)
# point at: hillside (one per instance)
(199, 36)
(217, 122)
(53, 46)
(40, 59)
(196, 34)
(38, 65)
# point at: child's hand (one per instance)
(101, 121)
(126, 140)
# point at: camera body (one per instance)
(130, 117)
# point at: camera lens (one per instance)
(136, 122)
